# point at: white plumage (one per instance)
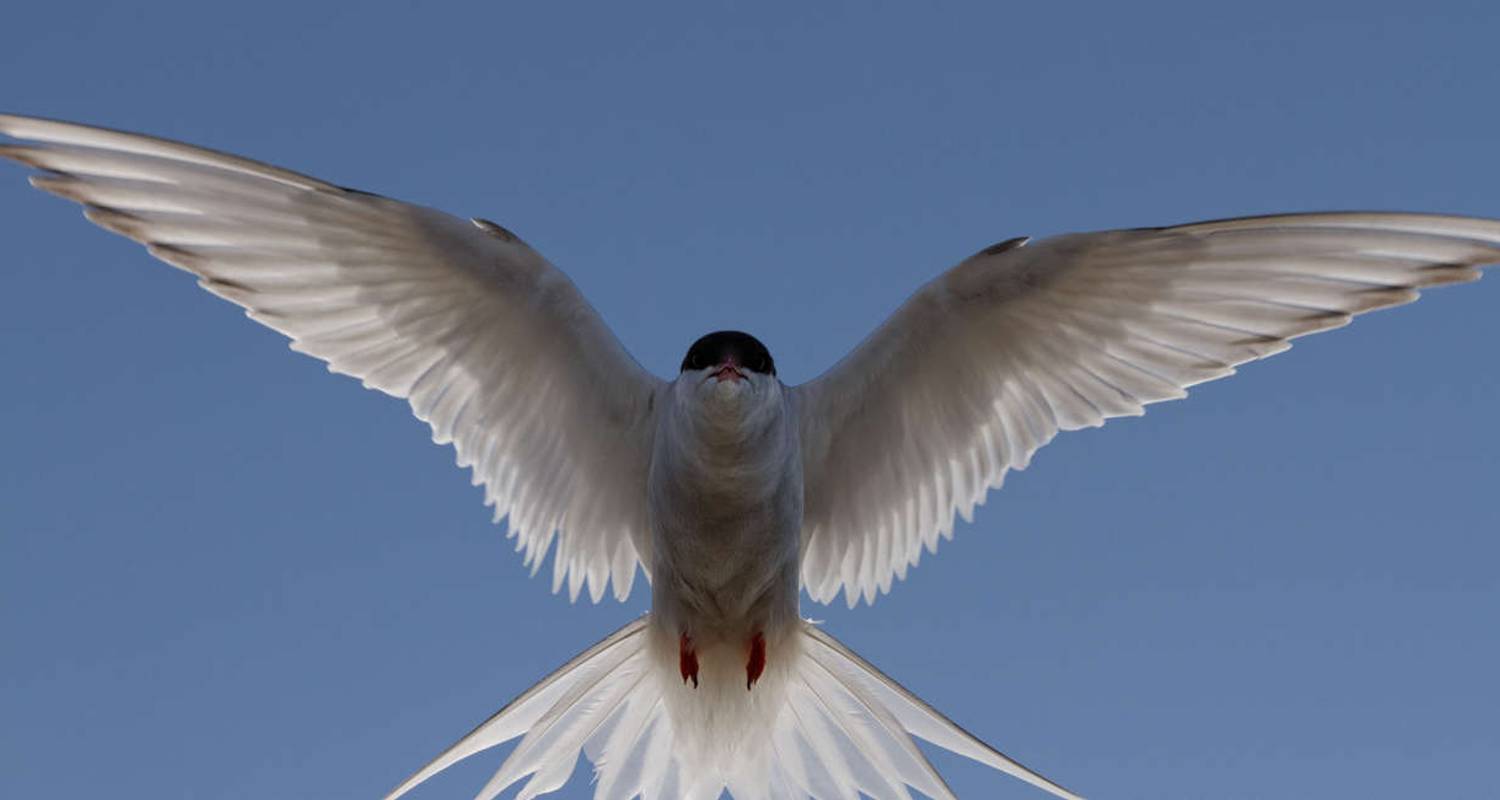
(492, 346)
(989, 361)
(730, 489)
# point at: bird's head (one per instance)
(728, 366)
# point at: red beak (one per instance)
(729, 371)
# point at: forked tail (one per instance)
(839, 729)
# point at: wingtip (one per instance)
(21, 154)
(77, 135)
(28, 126)
(60, 185)
(120, 222)
(9, 121)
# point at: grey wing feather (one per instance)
(989, 361)
(493, 346)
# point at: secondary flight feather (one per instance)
(731, 490)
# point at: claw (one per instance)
(757, 662)
(687, 659)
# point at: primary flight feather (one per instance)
(729, 489)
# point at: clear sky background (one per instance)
(225, 573)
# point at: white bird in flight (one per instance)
(730, 489)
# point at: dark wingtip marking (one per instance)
(362, 192)
(1008, 244)
(495, 229)
(60, 184)
(21, 154)
(123, 223)
(177, 257)
(1441, 274)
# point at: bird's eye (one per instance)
(761, 362)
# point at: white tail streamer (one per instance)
(823, 723)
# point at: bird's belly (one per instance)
(725, 546)
(729, 566)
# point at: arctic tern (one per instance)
(732, 491)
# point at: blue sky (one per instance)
(225, 573)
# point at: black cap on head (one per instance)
(746, 350)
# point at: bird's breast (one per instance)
(726, 518)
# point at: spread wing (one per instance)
(989, 361)
(493, 347)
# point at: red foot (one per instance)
(757, 663)
(687, 660)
